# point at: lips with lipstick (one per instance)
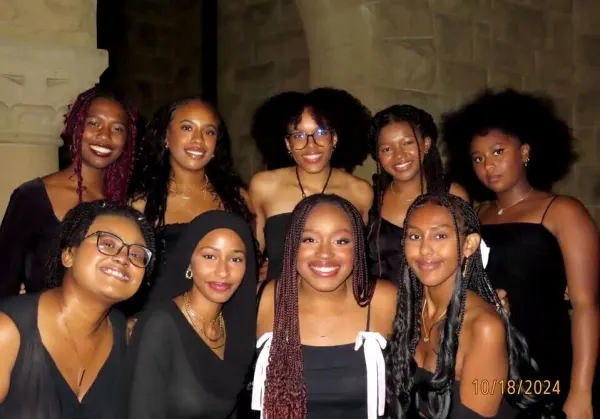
(324, 269)
(115, 272)
(196, 152)
(312, 158)
(101, 150)
(219, 286)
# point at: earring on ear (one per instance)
(526, 161)
(290, 152)
(188, 274)
(465, 268)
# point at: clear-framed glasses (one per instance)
(111, 245)
(321, 137)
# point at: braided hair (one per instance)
(431, 172)
(285, 390)
(331, 108)
(117, 176)
(74, 228)
(407, 327)
(153, 167)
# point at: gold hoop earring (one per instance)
(188, 274)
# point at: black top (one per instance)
(457, 409)
(174, 374)
(526, 260)
(276, 228)
(386, 253)
(37, 388)
(28, 231)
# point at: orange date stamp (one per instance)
(511, 387)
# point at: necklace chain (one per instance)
(175, 190)
(300, 183)
(501, 210)
(198, 327)
(427, 333)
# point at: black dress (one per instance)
(386, 252)
(525, 260)
(276, 228)
(28, 232)
(37, 388)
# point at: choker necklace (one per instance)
(175, 190)
(300, 183)
(501, 210)
(426, 333)
(198, 327)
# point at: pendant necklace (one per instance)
(300, 183)
(426, 333)
(198, 327)
(501, 210)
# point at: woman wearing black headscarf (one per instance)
(190, 355)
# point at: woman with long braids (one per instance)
(323, 132)
(63, 352)
(511, 148)
(402, 140)
(190, 356)
(184, 169)
(100, 129)
(323, 324)
(454, 353)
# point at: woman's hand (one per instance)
(502, 295)
(578, 406)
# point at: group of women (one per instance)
(154, 284)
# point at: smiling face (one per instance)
(111, 278)
(326, 253)
(430, 245)
(218, 265)
(499, 160)
(312, 154)
(105, 133)
(192, 136)
(398, 151)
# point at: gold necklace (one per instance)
(501, 210)
(175, 190)
(194, 316)
(426, 333)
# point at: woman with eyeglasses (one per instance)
(324, 134)
(63, 352)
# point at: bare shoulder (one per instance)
(484, 323)
(457, 190)
(361, 190)
(10, 341)
(384, 306)
(139, 204)
(266, 310)
(563, 207)
(265, 183)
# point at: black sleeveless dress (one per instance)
(37, 388)
(526, 261)
(385, 251)
(276, 228)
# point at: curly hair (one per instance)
(74, 228)
(285, 390)
(335, 109)
(407, 326)
(117, 176)
(530, 118)
(153, 167)
(431, 172)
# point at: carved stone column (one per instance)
(47, 56)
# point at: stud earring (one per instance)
(188, 274)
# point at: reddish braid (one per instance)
(116, 178)
(285, 388)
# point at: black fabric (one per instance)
(275, 230)
(37, 388)
(174, 374)
(386, 263)
(28, 231)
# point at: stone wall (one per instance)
(262, 51)
(431, 53)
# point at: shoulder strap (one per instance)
(547, 208)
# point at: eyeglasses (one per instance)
(111, 245)
(321, 137)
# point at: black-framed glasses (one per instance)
(321, 137)
(111, 245)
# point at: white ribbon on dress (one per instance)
(485, 253)
(260, 372)
(373, 344)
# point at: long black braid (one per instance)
(74, 227)
(401, 389)
(431, 172)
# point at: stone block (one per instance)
(256, 81)
(513, 58)
(586, 146)
(462, 78)
(526, 27)
(390, 20)
(499, 79)
(339, 67)
(288, 45)
(587, 78)
(559, 31)
(454, 38)
(589, 185)
(472, 9)
(587, 108)
(564, 6)
(482, 44)
(553, 66)
(586, 15)
(587, 50)
(333, 30)
(260, 19)
(293, 75)
(289, 16)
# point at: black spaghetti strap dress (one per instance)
(386, 251)
(276, 228)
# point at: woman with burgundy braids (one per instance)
(100, 129)
(323, 324)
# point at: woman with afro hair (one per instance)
(100, 130)
(510, 148)
(310, 142)
(184, 169)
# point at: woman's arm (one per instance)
(10, 340)
(577, 236)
